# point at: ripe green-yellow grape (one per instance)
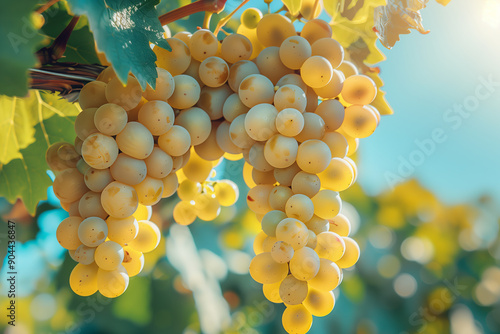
(112, 283)
(135, 140)
(214, 71)
(359, 121)
(212, 100)
(148, 237)
(133, 261)
(313, 156)
(270, 64)
(119, 200)
(332, 88)
(92, 231)
(316, 71)
(337, 143)
(292, 79)
(282, 252)
(316, 29)
(263, 177)
(90, 206)
(296, 319)
(319, 303)
(273, 29)
(143, 212)
(312, 240)
(149, 191)
(348, 68)
(175, 61)
(69, 185)
(110, 119)
(83, 279)
(340, 225)
(314, 127)
(93, 95)
(351, 254)
(197, 169)
(99, 151)
(256, 158)
(268, 243)
(127, 96)
(279, 196)
(238, 133)
(184, 212)
(290, 96)
(197, 122)
(84, 123)
(61, 156)
(330, 49)
(170, 184)
(338, 176)
(239, 71)
(317, 225)
(67, 233)
(293, 232)
(272, 292)
(281, 151)
(327, 204)
(82, 166)
(176, 141)
(128, 170)
(306, 183)
(251, 17)
(265, 270)
(258, 199)
(203, 44)
(328, 276)
(294, 51)
(330, 246)
(84, 254)
(207, 206)
(186, 93)
(226, 192)
(257, 243)
(159, 164)
(209, 149)
(97, 179)
(260, 121)
(285, 175)
(304, 264)
(359, 89)
(256, 89)
(122, 230)
(332, 112)
(293, 291)
(165, 86)
(300, 207)
(233, 107)
(157, 117)
(109, 255)
(271, 220)
(310, 9)
(236, 47)
(188, 190)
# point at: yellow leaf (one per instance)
(293, 6)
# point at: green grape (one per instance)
(284, 176)
(271, 220)
(251, 17)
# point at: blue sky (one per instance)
(436, 86)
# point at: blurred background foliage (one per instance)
(426, 267)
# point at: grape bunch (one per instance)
(286, 102)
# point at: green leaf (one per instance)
(18, 116)
(123, 30)
(26, 176)
(18, 41)
(293, 6)
(80, 47)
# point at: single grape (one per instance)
(67, 233)
(92, 231)
(135, 140)
(175, 61)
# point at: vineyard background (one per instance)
(430, 243)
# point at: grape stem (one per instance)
(55, 51)
(226, 19)
(46, 6)
(212, 6)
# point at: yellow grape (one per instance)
(330, 246)
(203, 44)
(282, 252)
(93, 95)
(293, 291)
(90, 206)
(351, 254)
(143, 212)
(263, 177)
(157, 116)
(99, 151)
(92, 231)
(188, 190)
(260, 121)
(316, 29)
(272, 292)
(306, 183)
(184, 36)
(265, 270)
(310, 9)
(359, 89)
(84, 254)
(304, 264)
(273, 29)
(127, 96)
(214, 71)
(251, 17)
(312, 240)
(359, 121)
(159, 164)
(61, 155)
(239, 71)
(110, 119)
(133, 261)
(119, 200)
(258, 199)
(348, 68)
(226, 192)
(292, 79)
(332, 112)
(135, 140)
(256, 89)
(165, 86)
(271, 220)
(314, 127)
(148, 237)
(109, 255)
(83, 279)
(170, 184)
(319, 303)
(330, 49)
(176, 141)
(293, 232)
(197, 169)
(313, 156)
(122, 230)
(270, 64)
(316, 71)
(317, 225)
(175, 61)
(338, 176)
(149, 191)
(97, 179)
(294, 51)
(236, 47)
(186, 93)
(67, 233)
(279, 196)
(300, 207)
(184, 213)
(328, 276)
(69, 185)
(238, 133)
(257, 243)
(285, 175)
(128, 170)
(112, 283)
(268, 243)
(290, 96)
(340, 224)
(332, 88)
(327, 204)
(207, 206)
(281, 151)
(209, 149)
(212, 100)
(296, 319)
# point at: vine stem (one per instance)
(46, 6)
(223, 21)
(56, 50)
(213, 6)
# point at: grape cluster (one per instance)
(297, 159)
(288, 103)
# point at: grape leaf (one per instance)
(26, 176)
(293, 6)
(80, 47)
(18, 41)
(397, 18)
(123, 30)
(20, 115)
